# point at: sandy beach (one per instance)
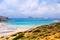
(6, 30)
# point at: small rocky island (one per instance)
(3, 19)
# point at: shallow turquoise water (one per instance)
(28, 22)
(19, 23)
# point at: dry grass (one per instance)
(44, 32)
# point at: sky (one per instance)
(26, 8)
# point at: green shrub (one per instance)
(33, 36)
(41, 34)
(19, 36)
(37, 30)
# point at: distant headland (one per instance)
(4, 19)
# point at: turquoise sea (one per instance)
(28, 22)
(13, 24)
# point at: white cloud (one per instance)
(26, 8)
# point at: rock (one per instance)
(3, 19)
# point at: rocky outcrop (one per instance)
(3, 19)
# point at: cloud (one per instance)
(34, 8)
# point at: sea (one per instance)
(13, 24)
(28, 22)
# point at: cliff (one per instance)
(3, 19)
(44, 32)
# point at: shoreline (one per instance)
(9, 30)
(43, 32)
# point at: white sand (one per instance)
(8, 30)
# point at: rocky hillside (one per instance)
(3, 19)
(44, 32)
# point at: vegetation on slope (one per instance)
(44, 32)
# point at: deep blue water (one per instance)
(26, 22)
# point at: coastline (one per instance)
(9, 30)
(43, 32)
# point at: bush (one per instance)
(19, 36)
(37, 30)
(33, 37)
(41, 34)
(13, 35)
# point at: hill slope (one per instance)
(44, 32)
